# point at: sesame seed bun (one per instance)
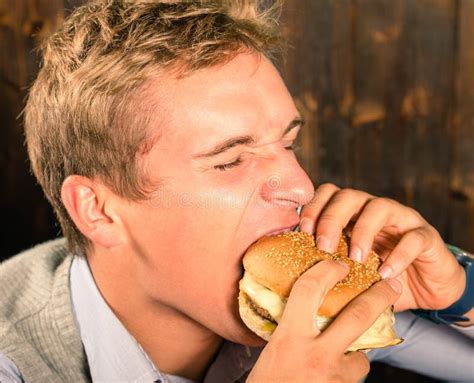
(273, 264)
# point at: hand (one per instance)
(298, 352)
(411, 249)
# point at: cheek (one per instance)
(194, 253)
(201, 284)
(190, 248)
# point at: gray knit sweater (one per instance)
(37, 329)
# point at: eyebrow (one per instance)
(244, 140)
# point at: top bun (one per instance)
(276, 262)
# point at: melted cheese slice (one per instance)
(263, 297)
(380, 334)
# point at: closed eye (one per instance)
(229, 165)
(238, 161)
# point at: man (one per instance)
(162, 135)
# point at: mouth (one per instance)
(281, 231)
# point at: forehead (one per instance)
(243, 96)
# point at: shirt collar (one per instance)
(115, 356)
(112, 353)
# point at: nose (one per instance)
(286, 183)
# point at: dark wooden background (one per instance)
(386, 87)
(388, 90)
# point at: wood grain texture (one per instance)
(319, 75)
(27, 216)
(427, 79)
(386, 88)
(391, 108)
(461, 214)
(377, 31)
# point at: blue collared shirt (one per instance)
(115, 356)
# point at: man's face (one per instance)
(227, 177)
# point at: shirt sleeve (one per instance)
(466, 331)
(9, 373)
(431, 349)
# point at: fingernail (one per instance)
(356, 254)
(306, 225)
(395, 285)
(323, 243)
(385, 271)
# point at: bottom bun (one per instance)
(379, 335)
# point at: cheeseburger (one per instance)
(273, 264)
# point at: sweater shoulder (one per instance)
(37, 329)
(27, 279)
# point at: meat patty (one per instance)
(260, 311)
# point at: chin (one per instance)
(242, 335)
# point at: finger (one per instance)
(376, 215)
(412, 244)
(311, 211)
(356, 366)
(307, 294)
(344, 206)
(360, 314)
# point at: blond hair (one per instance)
(83, 116)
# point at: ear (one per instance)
(88, 203)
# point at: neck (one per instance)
(175, 343)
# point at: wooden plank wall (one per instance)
(26, 216)
(461, 220)
(387, 90)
